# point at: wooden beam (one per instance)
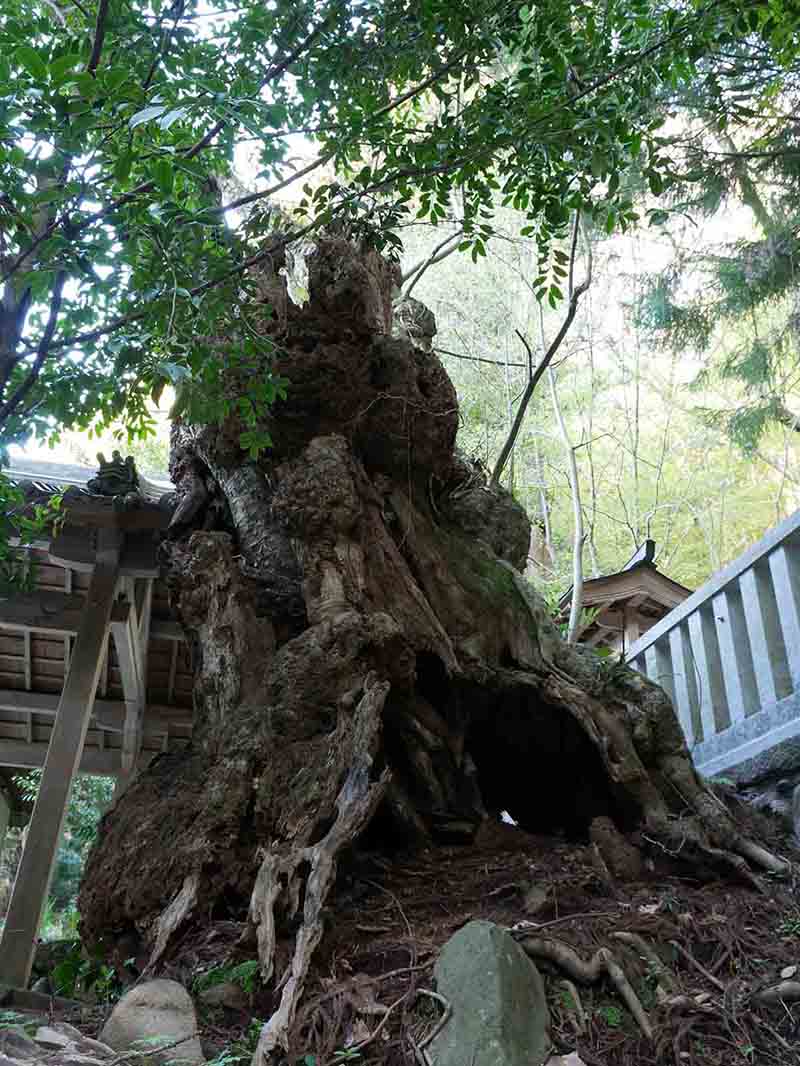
(63, 760)
(144, 610)
(632, 627)
(107, 714)
(59, 613)
(633, 583)
(43, 611)
(23, 756)
(599, 636)
(102, 512)
(72, 548)
(103, 687)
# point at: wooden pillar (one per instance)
(130, 638)
(32, 882)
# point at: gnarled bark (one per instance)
(369, 661)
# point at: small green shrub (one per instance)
(18, 1023)
(790, 926)
(340, 1057)
(78, 975)
(244, 974)
(611, 1015)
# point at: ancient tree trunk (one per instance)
(370, 662)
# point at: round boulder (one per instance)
(156, 1017)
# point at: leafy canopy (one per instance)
(119, 122)
(738, 150)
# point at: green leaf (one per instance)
(113, 78)
(122, 166)
(172, 116)
(147, 114)
(655, 182)
(87, 85)
(175, 372)
(598, 164)
(164, 174)
(31, 61)
(61, 66)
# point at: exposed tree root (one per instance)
(785, 992)
(665, 983)
(587, 973)
(575, 1009)
(281, 874)
(421, 1055)
(639, 740)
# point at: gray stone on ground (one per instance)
(17, 1046)
(57, 1044)
(159, 1009)
(499, 1011)
(48, 1037)
(227, 994)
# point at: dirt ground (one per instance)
(717, 945)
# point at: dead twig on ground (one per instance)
(688, 957)
(420, 1053)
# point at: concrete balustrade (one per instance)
(729, 658)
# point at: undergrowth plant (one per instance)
(77, 975)
(244, 974)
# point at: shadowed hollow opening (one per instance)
(535, 762)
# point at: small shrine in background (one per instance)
(621, 607)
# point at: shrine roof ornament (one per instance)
(115, 476)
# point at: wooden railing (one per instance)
(729, 657)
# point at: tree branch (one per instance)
(198, 290)
(535, 376)
(42, 351)
(253, 196)
(477, 358)
(423, 85)
(204, 141)
(440, 252)
(275, 71)
(578, 537)
(99, 37)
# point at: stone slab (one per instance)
(499, 1011)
